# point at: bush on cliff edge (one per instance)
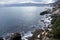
(56, 26)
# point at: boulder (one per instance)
(16, 36)
(1, 38)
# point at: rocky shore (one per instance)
(49, 33)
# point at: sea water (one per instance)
(20, 19)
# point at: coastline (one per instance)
(46, 21)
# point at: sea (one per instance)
(21, 19)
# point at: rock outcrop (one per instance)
(45, 12)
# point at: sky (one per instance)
(25, 1)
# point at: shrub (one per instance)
(56, 27)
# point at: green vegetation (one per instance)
(56, 26)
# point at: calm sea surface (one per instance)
(20, 19)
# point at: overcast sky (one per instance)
(22, 1)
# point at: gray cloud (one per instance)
(18, 1)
